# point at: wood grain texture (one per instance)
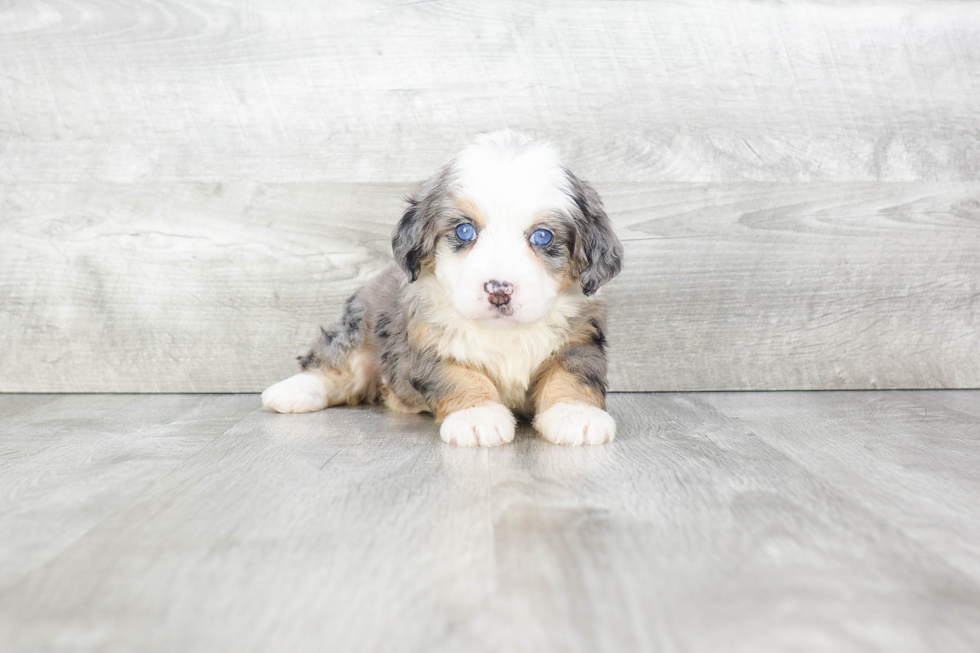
(296, 530)
(188, 189)
(890, 450)
(68, 462)
(377, 91)
(756, 522)
(217, 287)
(798, 287)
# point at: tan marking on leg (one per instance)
(558, 385)
(364, 379)
(337, 385)
(358, 381)
(470, 389)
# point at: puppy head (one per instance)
(505, 229)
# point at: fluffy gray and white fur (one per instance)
(488, 311)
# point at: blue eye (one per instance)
(541, 237)
(466, 232)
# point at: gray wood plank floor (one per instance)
(820, 521)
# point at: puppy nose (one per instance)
(499, 292)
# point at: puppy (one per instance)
(488, 310)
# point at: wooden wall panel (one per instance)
(377, 91)
(216, 287)
(188, 189)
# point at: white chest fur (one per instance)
(508, 355)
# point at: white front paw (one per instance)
(576, 424)
(483, 426)
(302, 393)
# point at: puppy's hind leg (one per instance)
(301, 393)
(336, 370)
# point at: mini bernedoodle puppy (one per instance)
(490, 307)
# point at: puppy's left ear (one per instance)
(598, 253)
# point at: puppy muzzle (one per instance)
(498, 292)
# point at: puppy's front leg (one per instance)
(471, 412)
(569, 402)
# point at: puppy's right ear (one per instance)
(414, 239)
(407, 241)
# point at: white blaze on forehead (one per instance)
(511, 178)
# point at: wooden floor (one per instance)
(823, 521)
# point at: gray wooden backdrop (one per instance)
(188, 188)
